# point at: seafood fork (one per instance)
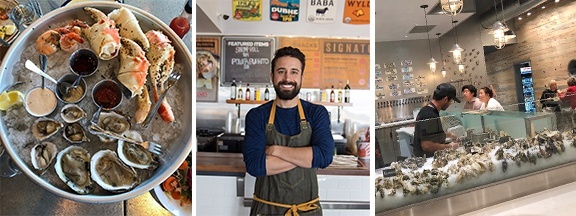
(172, 79)
(153, 147)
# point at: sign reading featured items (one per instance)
(247, 59)
(333, 61)
(356, 12)
(207, 68)
(284, 10)
(321, 11)
(247, 10)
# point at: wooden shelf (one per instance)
(262, 102)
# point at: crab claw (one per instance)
(103, 35)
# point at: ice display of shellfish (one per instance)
(73, 167)
(135, 155)
(43, 128)
(108, 171)
(112, 122)
(42, 155)
(72, 113)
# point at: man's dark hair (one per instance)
(470, 88)
(292, 52)
(438, 96)
(571, 81)
(488, 91)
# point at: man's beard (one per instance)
(287, 94)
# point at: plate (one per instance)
(171, 204)
(174, 149)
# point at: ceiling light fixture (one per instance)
(543, 7)
(441, 56)
(456, 49)
(528, 14)
(519, 18)
(556, 1)
(432, 62)
(500, 30)
(452, 7)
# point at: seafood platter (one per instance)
(126, 58)
(472, 165)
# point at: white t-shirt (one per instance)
(493, 104)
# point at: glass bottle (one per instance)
(332, 95)
(322, 96)
(340, 95)
(247, 91)
(266, 94)
(240, 95)
(181, 24)
(233, 89)
(347, 92)
(257, 94)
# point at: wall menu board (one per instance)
(333, 61)
(247, 59)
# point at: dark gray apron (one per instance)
(293, 187)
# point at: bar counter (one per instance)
(231, 164)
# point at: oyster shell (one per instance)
(42, 155)
(72, 113)
(43, 128)
(75, 133)
(113, 122)
(135, 155)
(111, 173)
(72, 166)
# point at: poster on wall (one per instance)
(356, 12)
(284, 10)
(321, 11)
(207, 68)
(333, 61)
(247, 10)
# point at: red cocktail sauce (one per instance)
(106, 97)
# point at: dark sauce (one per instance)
(84, 64)
(107, 96)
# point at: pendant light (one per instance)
(456, 49)
(432, 62)
(452, 7)
(500, 30)
(441, 56)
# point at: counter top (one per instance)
(231, 163)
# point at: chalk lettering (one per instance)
(347, 48)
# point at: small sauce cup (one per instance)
(40, 102)
(107, 93)
(83, 62)
(74, 95)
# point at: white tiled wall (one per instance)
(216, 195)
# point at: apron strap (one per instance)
(273, 112)
(294, 208)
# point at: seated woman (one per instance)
(548, 95)
(570, 96)
(488, 103)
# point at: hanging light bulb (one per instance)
(461, 68)
(452, 7)
(500, 30)
(443, 72)
(432, 62)
(456, 49)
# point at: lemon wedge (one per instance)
(11, 98)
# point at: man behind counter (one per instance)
(429, 136)
(286, 140)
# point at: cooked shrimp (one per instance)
(47, 43)
(76, 26)
(69, 41)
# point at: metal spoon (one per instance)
(65, 87)
(32, 67)
(43, 60)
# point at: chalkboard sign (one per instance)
(388, 172)
(247, 59)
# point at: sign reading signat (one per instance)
(356, 12)
(321, 11)
(333, 61)
(284, 10)
(247, 59)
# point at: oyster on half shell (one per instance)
(136, 155)
(43, 128)
(42, 155)
(72, 113)
(75, 133)
(73, 167)
(111, 173)
(113, 122)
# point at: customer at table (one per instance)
(488, 102)
(472, 102)
(570, 96)
(548, 95)
(429, 136)
(286, 140)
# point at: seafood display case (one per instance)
(494, 148)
